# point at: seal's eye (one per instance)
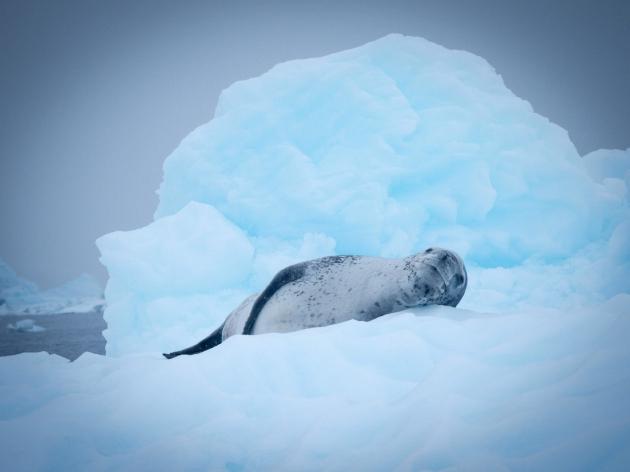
(428, 250)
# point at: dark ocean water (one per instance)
(68, 334)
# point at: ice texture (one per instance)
(382, 150)
(427, 389)
(19, 296)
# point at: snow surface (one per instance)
(426, 389)
(19, 296)
(381, 150)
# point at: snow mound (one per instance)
(381, 150)
(427, 389)
(19, 296)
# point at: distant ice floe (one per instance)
(19, 296)
(25, 326)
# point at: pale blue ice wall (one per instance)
(380, 150)
(388, 148)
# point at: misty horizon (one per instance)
(98, 95)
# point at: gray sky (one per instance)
(95, 94)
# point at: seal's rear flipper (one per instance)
(207, 343)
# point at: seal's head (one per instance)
(435, 276)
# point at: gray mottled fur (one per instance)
(339, 288)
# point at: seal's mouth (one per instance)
(407, 305)
(406, 301)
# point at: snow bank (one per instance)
(381, 150)
(428, 389)
(19, 296)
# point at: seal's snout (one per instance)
(449, 269)
(459, 279)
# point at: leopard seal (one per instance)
(334, 289)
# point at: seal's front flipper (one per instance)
(207, 343)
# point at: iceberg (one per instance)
(381, 150)
(13, 287)
(19, 296)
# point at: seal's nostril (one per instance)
(458, 279)
(429, 250)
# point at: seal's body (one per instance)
(334, 289)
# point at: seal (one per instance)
(334, 289)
